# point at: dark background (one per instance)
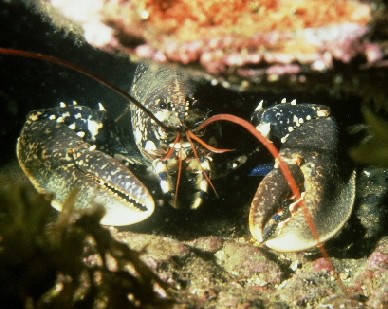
(27, 84)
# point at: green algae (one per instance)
(374, 149)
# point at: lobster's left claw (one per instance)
(109, 183)
(58, 161)
(326, 183)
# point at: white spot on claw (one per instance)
(284, 139)
(260, 106)
(264, 128)
(93, 127)
(150, 146)
(323, 113)
(81, 134)
(366, 173)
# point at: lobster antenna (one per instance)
(83, 71)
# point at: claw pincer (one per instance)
(65, 151)
(310, 147)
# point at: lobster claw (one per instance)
(326, 183)
(58, 161)
(266, 210)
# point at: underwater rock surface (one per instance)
(227, 270)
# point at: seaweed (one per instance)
(373, 149)
(67, 260)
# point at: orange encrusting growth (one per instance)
(191, 20)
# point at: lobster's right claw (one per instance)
(326, 181)
(328, 203)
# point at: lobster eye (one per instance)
(163, 105)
